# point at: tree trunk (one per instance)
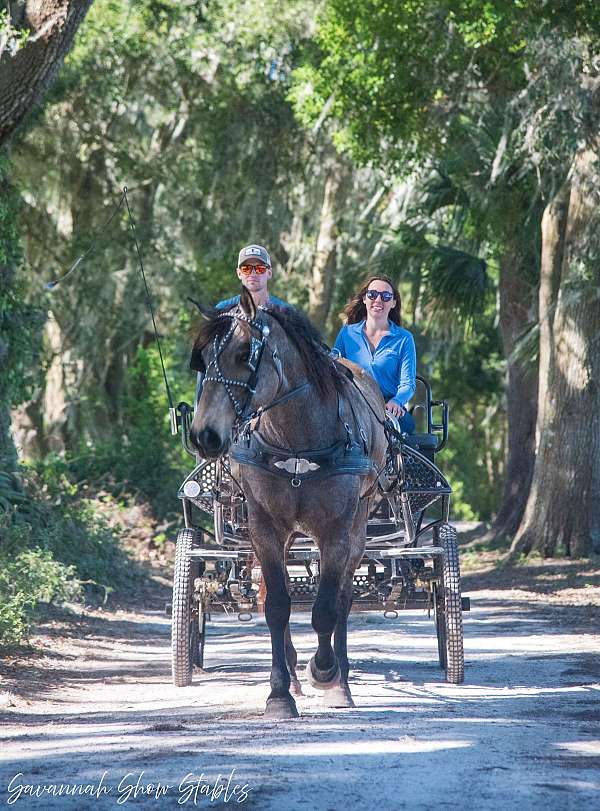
(560, 512)
(320, 291)
(9, 313)
(516, 297)
(26, 76)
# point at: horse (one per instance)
(309, 446)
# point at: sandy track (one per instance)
(523, 731)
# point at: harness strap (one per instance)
(300, 466)
(287, 396)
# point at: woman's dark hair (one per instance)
(356, 309)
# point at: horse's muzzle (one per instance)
(208, 442)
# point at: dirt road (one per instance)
(99, 714)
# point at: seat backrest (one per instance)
(422, 405)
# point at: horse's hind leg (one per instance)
(292, 660)
(290, 651)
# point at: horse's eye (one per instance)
(243, 355)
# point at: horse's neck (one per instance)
(305, 421)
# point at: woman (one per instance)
(373, 338)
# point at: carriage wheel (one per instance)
(187, 641)
(449, 622)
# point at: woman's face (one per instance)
(376, 306)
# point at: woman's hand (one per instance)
(395, 409)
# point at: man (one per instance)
(254, 271)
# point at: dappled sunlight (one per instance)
(586, 748)
(366, 747)
(572, 354)
(524, 677)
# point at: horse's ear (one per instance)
(205, 312)
(247, 304)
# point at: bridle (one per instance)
(258, 343)
(214, 373)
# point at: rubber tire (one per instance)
(450, 605)
(183, 635)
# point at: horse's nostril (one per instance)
(207, 441)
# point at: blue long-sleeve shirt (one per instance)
(230, 302)
(393, 364)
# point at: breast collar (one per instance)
(346, 456)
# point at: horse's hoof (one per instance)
(323, 679)
(278, 709)
(338, 697)
(296, 688)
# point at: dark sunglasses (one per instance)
(385, 295)
(246, 270)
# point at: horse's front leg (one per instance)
(323, 670)
(280, 703)
(340, 695)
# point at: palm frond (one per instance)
(455, 281)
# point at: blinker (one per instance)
(197, 361)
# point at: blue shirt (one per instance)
(393, 364)
(231, 302)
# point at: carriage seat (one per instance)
(424, 443)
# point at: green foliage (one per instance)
(54, 546)
(142, 459)
(20, 323)
(27, 578)
(399, 74)
(468, 372)
(12, 39)
(192, 107)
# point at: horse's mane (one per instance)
(318, 364)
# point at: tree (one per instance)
(37, 37)
(34, 38)
(195, 117)
(402, 77)
(561, 512)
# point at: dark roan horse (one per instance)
(309, 449)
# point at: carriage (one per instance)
(410, 561)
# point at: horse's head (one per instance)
(235, 351)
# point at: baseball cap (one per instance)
(254, 252)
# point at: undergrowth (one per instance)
(53, 547)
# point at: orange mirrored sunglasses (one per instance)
(246, 270)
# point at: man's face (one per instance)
(254, 282)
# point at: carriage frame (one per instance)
(411, 558)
